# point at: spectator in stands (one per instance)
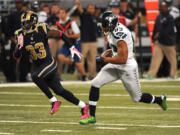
(128, 12)
(114, 6)
(9, 65)
(178, 28)
(26, 6)
(175, 12)
(55, 44)
(71, 29)
(164, 36)
(54, 16)
(46, 9)
(43, 14)
(88, 36)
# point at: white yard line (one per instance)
(30, 84)
(171, 97)
(168, 126)
(111, 128)
(102, 107)
(98, 124)
(6, 133)
(51, 130)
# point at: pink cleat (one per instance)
(84, 112)
(55, 107)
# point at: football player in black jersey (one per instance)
(33, 38)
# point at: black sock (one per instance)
(92, 110)
(69, 97)
(148, 98)
(158, 100)
(93, 98)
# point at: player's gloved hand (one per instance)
(20, 41)
(99, 59)
(75, 51)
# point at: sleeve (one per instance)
(75, 27)
(67, 40)
(155, 28)
(128, 21)
(171, 26)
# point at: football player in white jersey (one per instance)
(121, 64)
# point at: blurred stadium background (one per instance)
(24, 110)
(143, 51)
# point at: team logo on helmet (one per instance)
(110, 20)
(29, 20)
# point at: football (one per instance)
(107, 53)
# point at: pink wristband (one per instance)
(60, 33)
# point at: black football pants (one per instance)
(45, 77)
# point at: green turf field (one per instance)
(25, 111)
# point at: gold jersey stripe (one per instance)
(17, 31)
(51, 70)
(44, 27)
(39, 75)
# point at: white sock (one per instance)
(153, 98)
(81, 104)
(53, 99)
(92, 103)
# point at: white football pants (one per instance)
(129, 77)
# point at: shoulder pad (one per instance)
(17, 32)
(119, 34)
(44, 27)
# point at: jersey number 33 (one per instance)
(39, 54)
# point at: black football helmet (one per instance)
(29, 20)
(109, 19)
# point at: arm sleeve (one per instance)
(155, 29)
(128, 21)
(66, 40)
(75, 27)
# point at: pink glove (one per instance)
(75, 51)
(20, 41)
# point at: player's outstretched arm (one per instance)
(60, 34)
(122, 56)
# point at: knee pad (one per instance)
(136, 98)
(95, 83)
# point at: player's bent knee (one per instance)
(96, 84)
